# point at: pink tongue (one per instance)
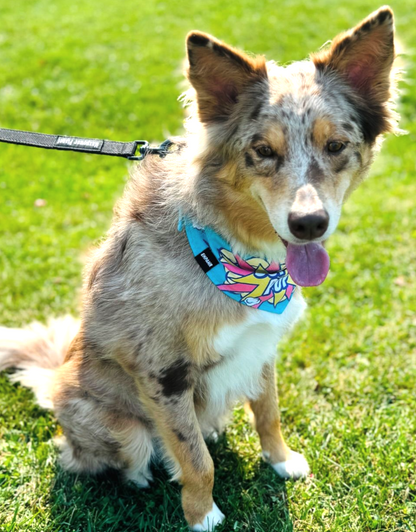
(308, 265)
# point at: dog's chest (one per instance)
(244, 349)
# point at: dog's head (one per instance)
(287, 145)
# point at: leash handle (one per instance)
(115, 148)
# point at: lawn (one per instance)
(347, 375)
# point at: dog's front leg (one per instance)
(286, 463)
(174, 415)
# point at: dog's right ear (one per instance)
(219, 74)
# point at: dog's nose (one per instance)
(308, 226)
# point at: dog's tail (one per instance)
(36, 352)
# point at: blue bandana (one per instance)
(251, 281)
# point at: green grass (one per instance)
(348, 373)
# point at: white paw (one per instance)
(294, 468)
(213, 436)
(211, 520)
(138, 479)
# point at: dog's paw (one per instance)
(212, 434)
(211, 520)
(138, 479)
(213, 437)
(294, 468)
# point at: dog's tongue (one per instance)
(307, 265)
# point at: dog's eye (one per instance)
(335, 146)
(264, 151)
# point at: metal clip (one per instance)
(145, 149)
(142, 150)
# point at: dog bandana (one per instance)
(252, 281)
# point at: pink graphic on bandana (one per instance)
(256, 280)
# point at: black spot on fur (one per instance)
(279, 161)
(383, 15)
(198, 40)
(359, 157)
(341, 164)
(314, 171)
(371, 116)
(372, 121)
(229, 54)
(123, 244)
(256, 111)
(191, 58)
(273, 166)
(144, 421)
(343, 44)
(257, 138)
(249, 160)
(220, 50)
(366, 26)
(180, 435)
(391, 40)
(347, 126)
(137, 215)
(232, 96)
(175, 379)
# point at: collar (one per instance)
(250, 280)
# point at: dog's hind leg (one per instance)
(98, 435)
(87, 445)
(286, 463)
(136, 450)
(97, 439)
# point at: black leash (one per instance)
(128, 150)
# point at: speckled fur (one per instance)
(148, 366)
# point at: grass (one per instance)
(347, 374)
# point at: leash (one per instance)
(135, 150)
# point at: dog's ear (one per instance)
(363, 55)
(219, 74)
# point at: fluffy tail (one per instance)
(36, 352)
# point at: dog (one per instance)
(200, 275)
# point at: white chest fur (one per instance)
(244, 349)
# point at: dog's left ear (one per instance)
(364, 57)
(219, 74)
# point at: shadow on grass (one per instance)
(252, 498)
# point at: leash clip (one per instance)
(145, 149)
(142, 150)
